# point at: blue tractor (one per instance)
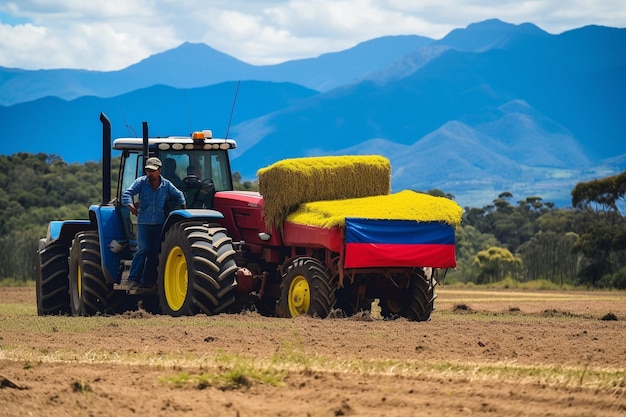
(84, 264)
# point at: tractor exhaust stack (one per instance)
(146, 152)
(106, 159)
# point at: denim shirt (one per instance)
(151, 203)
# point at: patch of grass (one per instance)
(513, 284)
(24, 317)
(242, 372)
(558, 376)
(543, 284)
(462, 308)
(540, 284)
(179, 380)
(483, 316)
(242, 375)
(16, 310)
(291, 353)
(506, 283)
(15, 282)
(81, 387)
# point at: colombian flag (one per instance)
(398, 243)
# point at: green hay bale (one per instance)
(290, 182)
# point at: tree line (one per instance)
(38, 188)
(532, 240)
(524, 240)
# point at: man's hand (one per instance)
(133, 209)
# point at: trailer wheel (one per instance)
(197, 270)
(89, 292)
(351, 302)
(306, 289)
(391, 307)
(422, 295)
(416, 302)
(52, 283)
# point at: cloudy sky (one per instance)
(113, 34)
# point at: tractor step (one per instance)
(125, 286)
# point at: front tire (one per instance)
(306, 289)
(52, 284)
(197, 270)
(89, 292)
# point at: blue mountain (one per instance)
(197, 65)
(71, 129)
(488, 108)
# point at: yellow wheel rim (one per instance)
(299, 296)
(176, 280)
(79, 281)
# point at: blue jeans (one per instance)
(143, 269)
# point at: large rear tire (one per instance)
(52, 282)
(197, 270)
(306, 289)
(417, 301)
(89, 292)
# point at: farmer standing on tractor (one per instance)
(154, 191)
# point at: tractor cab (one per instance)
(198, 165)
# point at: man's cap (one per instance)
(153, 163)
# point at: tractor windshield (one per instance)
(193, 170)
(198, 173)
(197, 164)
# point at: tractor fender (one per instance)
(64, 230)
(106, 219)
(177, 216)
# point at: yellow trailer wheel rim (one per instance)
(299, 296)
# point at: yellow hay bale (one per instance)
(290, 182)
(405, 205)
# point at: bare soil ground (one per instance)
(484, 353)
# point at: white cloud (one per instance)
(112, 34)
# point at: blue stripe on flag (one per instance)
(398, 232)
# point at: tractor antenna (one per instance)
(188, 112)
(128, 127)
(232, 110)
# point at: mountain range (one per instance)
(489, 108)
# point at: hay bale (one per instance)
(405, 205)
(290, 182)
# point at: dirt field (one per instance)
(484, 353)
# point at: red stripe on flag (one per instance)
(369, 255)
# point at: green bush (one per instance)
(616, 280)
